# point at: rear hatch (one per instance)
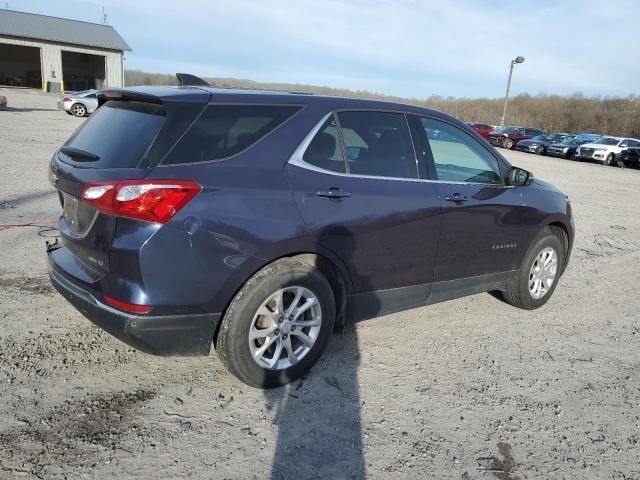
(122, 140)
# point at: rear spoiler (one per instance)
(182, 79)
(106, 95)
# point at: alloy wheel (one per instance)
(610, 159)
(78, 110)
(543, 273)
(285, 328)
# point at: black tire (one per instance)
(621, 164)
(610, 161)
(78, 110)
(517, 290)
(232, 343)
(540, 150)
(508, 143)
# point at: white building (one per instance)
(57, 54)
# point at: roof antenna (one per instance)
(186, 80)
(104, 16)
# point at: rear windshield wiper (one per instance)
(79, 154)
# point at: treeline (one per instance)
(553, 113)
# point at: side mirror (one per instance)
(520, 177)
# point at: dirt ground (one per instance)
(469, 389)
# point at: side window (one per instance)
(458, 157)
(225, 130)
(378, 144)
(325, 151)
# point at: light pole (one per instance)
(518, 59)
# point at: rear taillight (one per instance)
(148, 200)
(66, 99)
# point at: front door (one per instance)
(359, 189)
(482, 217)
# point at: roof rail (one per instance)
(186, 79)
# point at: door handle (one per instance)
(333, 193)
(456, 198)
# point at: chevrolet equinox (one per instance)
(255, 222)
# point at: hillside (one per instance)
(572, 113)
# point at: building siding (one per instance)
(51, 60)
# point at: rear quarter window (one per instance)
(120, 133)
(226, 130)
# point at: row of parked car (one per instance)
(607, 150)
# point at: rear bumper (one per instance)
(63, 105)
(184, 335)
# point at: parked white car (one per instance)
(605, 149)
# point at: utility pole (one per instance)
(518, 59)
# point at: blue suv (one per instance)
(256, 222)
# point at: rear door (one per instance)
(482, 217)
(364, 199)
(117, 142)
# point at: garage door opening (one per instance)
(20, 66)
(82, 71)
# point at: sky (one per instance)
(407, 48)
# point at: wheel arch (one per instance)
(331, 268)
(560, 230)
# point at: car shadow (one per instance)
(15, 109)
(317, 417)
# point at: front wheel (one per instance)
(532, 286)
(540, 150)
(611, 159)
(508, 143)
(277, 325)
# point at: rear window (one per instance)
(226, 130)
(119, 132)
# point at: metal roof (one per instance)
(63, 30)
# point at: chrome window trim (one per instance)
(296, 159)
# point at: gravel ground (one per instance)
(469, 389)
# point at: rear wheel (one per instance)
(78, 110)
(532, 286)
(278, 324)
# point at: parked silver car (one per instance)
(79, 104)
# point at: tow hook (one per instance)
(53, 246)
